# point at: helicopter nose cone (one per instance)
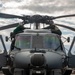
(37, 59)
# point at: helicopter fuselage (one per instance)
(38, 50)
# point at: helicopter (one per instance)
(37, 51)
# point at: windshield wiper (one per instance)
(57, 48)
(17, 48)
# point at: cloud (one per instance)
(50, 6)
(41, 6)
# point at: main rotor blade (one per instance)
(61, 25)
(9, 26)
(63, 16)
(3, 15)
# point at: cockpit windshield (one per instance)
(34, 41)
(23, 42)
(51, 42)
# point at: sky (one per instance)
(42, 7)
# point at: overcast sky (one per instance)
(38, 6)
(44, 7)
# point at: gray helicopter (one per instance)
(37, 51)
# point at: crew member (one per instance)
(54, 29)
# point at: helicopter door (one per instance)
(3, 53)
(71, 55)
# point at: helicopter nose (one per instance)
(37, 59)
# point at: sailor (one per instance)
(19, 29)
(54, 29)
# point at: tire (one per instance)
(67, 72)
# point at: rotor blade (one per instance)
(3, 15)
(61, 25)
(63, 16)
(9, 26)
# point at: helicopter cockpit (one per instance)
(38, 40)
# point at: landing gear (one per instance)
(67, 72)
(7, 71)
(15, 71)
(55, 72)
(19, 72)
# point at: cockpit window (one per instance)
(37, 42)
(23, 42)
(41, 41)
(51, 42)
